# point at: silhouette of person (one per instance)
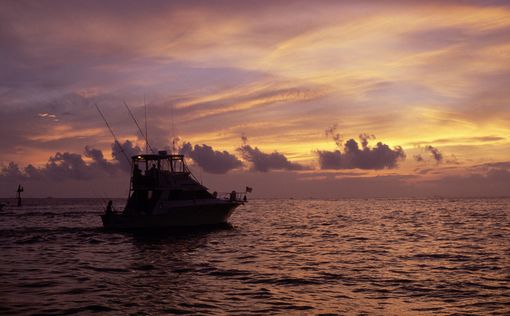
(153, 171)
(233, 195)
(137, 174)
(109, 208)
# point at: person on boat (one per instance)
(137, 174)
(233, 195)
(109, 208)
(153, 170)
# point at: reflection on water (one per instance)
(380, 256)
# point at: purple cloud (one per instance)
(67, 165)
(210, 160)
(438, 156)
(122, 153)
(352, 157)
(264, 162)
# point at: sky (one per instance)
(303, 99)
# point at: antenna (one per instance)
(139, 129)
(173, 126)
(113, 134)
(146, 134)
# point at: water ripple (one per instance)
(360, 257)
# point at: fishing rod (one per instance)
(173, 126)
(146, 132)
(113, 135)
(139, 128)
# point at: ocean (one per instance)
(297, 257)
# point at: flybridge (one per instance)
(162, 154)
(161, 162)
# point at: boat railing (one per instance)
(233, 196)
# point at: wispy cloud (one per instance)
(413, 73)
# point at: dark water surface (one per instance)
(355, 257)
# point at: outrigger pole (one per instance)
(146, 133)
(139, 129)
(113, 134)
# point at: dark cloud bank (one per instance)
(92, 171)
(219, 162)
(93, 164)
(211, 160)
(353, 157)
(265, 162)
(66, 165)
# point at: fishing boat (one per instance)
(164, 193)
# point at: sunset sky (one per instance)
(324, 99)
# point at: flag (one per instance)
(248, 189)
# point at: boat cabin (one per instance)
(149, 169)
(162, 176)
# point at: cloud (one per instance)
(264, 162)
(423, 171)
(461, 140)
(11, 172)
(418, 158)
(252, 72)
(73, 166)
(489, 138)
(248, 98)
(364, 138)
(334, 134)
(98, 158)
(438, 156)
(499, 175)
(379, 157)
(244, 139)
(122, 153)
(500, 165)
(210, 160)
(60, 166)
(67, 165)
(493, 182)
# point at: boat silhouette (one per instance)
(164, 193)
